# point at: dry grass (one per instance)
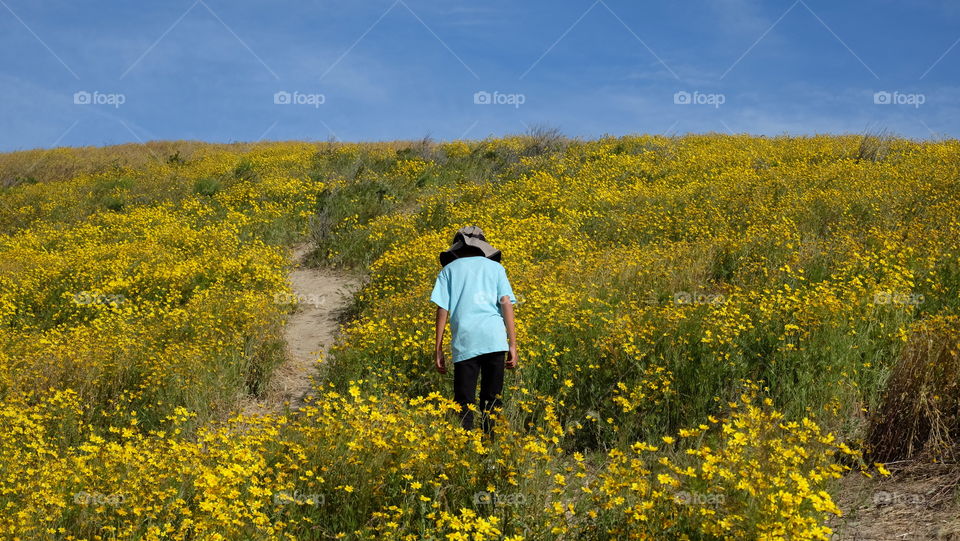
(921, 402)
(43, 165)
(874, 147)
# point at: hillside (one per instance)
(717, 334)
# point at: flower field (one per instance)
(709, 330)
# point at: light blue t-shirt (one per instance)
(470, 289)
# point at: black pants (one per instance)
(489, 367)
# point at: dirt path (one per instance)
(916, 503)
(309, 333)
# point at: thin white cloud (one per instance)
(739, 17)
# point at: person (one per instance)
(473, 289)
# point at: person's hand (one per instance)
(511, 358)
(439, 362)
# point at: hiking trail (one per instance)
(310, 331)
(916, 502)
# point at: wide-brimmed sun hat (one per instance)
(466, 242)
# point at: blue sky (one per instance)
(106, 72)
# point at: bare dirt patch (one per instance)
(310, 331)
(918, 501)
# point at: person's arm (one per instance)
(438, 361)
(511, 331)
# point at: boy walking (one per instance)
(472, 288)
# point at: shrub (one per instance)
(920, 412)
